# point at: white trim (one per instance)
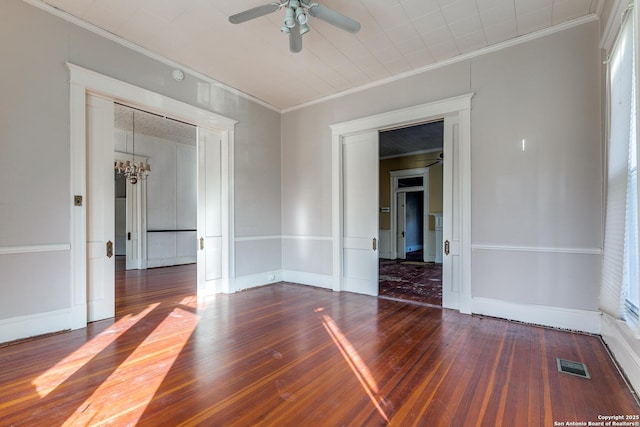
(141, 50)
(554, 250)
(394, 176)
(460, 107)
(259, 279)
(310, 279)
(83, 81)
(290, 237)
(10, 250)
(256, 238)
(624, 347)
(556, 317)
(168, 262)
(285, 237)
(33, 325)
(470, 55)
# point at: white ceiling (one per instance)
(397, 37)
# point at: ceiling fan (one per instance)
(296, 17)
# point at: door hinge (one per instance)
(109, 249)
(375, 244)
(202, 243)
(446, 247)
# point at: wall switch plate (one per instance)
(77, 200)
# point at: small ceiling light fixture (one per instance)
(301, 17)
(178, 75)
(133, 170)
(289, 22)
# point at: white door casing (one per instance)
(401, 222)
(457, 108)
(84, 82)
(100, 209)
(360, 199)
(395, 190)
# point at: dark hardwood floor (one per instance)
(291, 355)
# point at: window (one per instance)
(620, 288)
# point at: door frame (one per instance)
(459, 107)
(83, 82)
(409, 173)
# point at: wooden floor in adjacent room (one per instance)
(291, 355)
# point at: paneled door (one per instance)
(451, 226)
(360, 194)
(210, 211)
(100, 209)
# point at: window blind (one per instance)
(621, 92)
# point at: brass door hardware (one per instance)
(375, 244)
(446, 247)
(109, 249)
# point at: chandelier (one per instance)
(133, 170)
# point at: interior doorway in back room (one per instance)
(411, 202)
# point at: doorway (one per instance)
(356, 140)
(92, 182)
(411, 175)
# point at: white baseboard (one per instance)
(556, 317)
(312, 279)
(33, 325)
(167, 262)
(255, 280)
(624, 346)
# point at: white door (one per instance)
(360, 194)
(100, 210)
(401, 235)
(136, 196)
(451, 220)
(210, 211)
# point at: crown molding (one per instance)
(489, 49)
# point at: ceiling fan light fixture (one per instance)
(285, 29)
(301, 17)
(289, 20)
(304, 28)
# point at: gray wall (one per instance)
(539, 209)
(34, 142)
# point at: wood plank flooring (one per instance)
(291, 355)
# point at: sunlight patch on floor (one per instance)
(52, 378)
(124, 396)
(355, 362)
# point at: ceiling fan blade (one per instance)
(295, 39)
(256, 12)
(334, 18)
